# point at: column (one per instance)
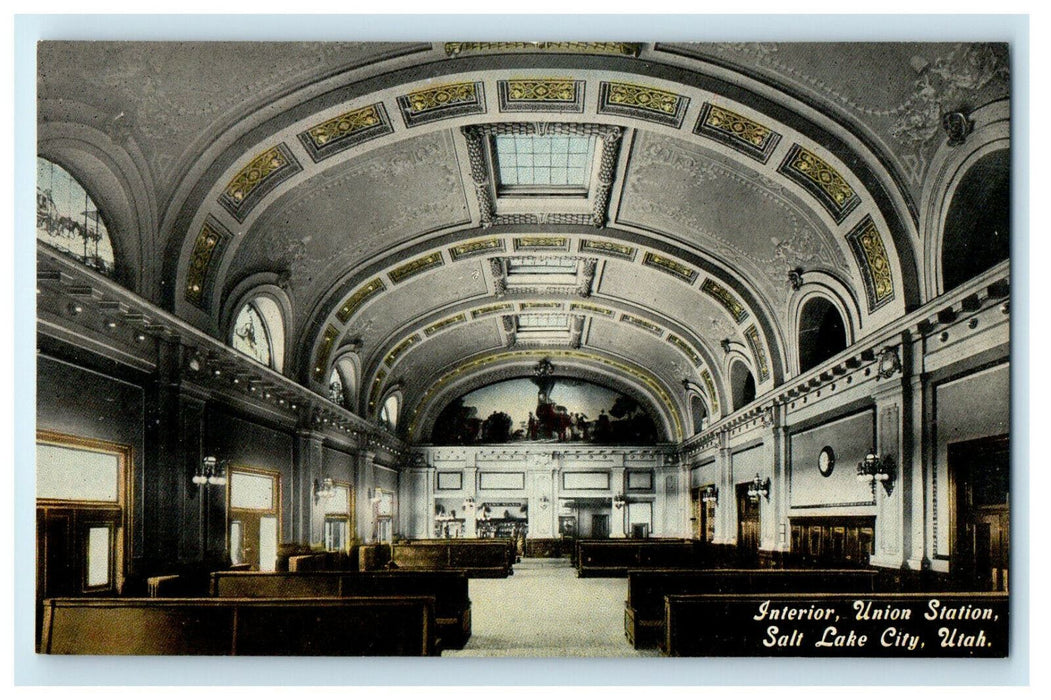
(777, 451)
(618, 516)
(893, 419)
(685, 506)
(366, 484)
(726, 509)
(307, 516)
(470, 490)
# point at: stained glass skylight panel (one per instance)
(67, 218)
(250, 335)
(549, 164)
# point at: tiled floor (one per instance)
(545, 610)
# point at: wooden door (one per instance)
(599, 525)
(80, 517)
(747, 526)
(980, 475)
(696, 515)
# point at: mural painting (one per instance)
(544, 408)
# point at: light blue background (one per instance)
(32, 669)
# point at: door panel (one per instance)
(254, 520)
(980, 474)
(747, 526)
(599, 526)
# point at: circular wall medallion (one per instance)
(826, 461)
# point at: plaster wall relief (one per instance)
(166, 96)
(681, 188)
(904, 109)
(354, 211)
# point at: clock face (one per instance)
(826, 461)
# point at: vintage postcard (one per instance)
(524, 349)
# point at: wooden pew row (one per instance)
(838, 625)
(614, 558)
(548, 548)
(574, 556)
(452, 606)
(647, 589)
(391, 626)
(478, 558)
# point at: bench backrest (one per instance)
(449, 588)
(436, 555)
(237, 626)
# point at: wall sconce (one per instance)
(544, 502)
(710, 494)
(325, 488)
(468, 503)
(759, 488)
(873, 469)
(210, 472)
(619, 501)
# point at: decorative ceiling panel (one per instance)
(683, 188)
(674, 300)
(342, 217)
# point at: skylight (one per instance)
(541, 266)
(547, 164)
(543, 322)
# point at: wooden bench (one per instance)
(390, 626)
(644, 608)
(574, 551)
(190, 582)
(547, 548)
(452, 606)
(478, 558)
(738, 625)
(616, 557)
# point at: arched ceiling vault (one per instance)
(357, 178)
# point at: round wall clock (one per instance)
(826, 461)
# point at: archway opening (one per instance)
(742, 385)
(699, 414)
(977, 232)
(822, 333)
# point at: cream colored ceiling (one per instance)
(190, 118)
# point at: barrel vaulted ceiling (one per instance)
(355, 178)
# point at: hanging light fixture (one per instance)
(759, 488)
(710, 494)
(872, 469)
(210, 471)
(323, 489)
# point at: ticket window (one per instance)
(337, 508)
(383, 504)
(254, 519)
(80, 516)
(80, 511)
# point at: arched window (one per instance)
(822, 333)
(335, 388)
(68, 220)
(742, 385)
(977, 231)
(389, 412)
(258, 331)
(699, 413)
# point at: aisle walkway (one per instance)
(545, 610)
